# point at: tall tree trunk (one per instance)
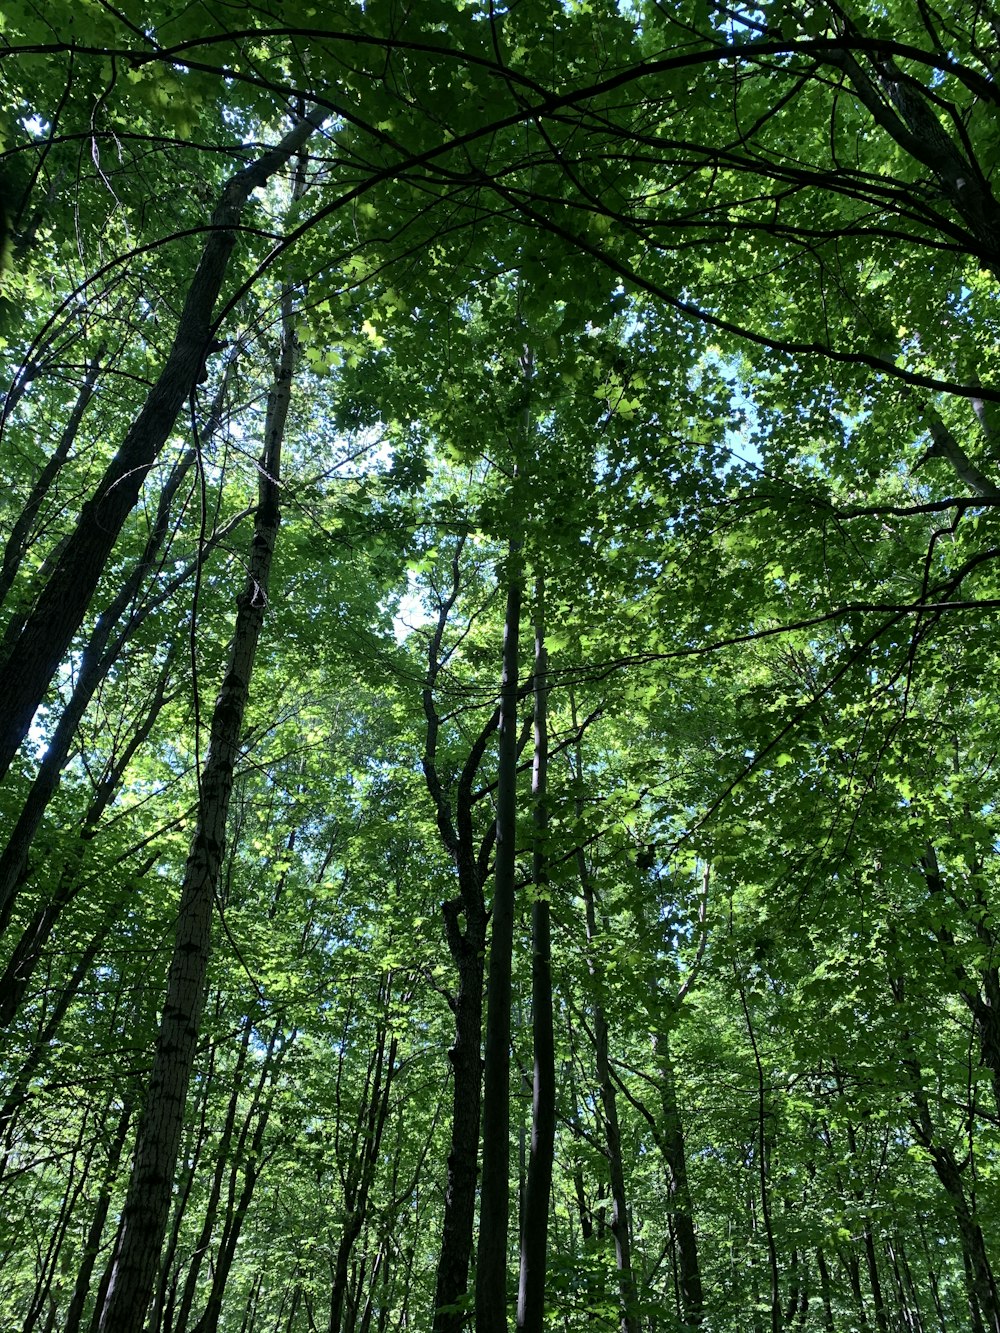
(879, 1309)
(194, 1140)
(669, 1132)
(48, 1262)
(144, 1217)
(982, 1282)
(620, 1226)
(675, 1158)
(980, 992)
(30, 945)
(984, 1300)
(494, 1208)
(825, 1291)
(97, 659)
(875, 1280)
(237, 1208)
(15, 1100)
(465, 931)
(364, 1162)
(849, 1260)
(774, 1282)
(95, 1230)
(909, 1312)
(534, 1224)
(933, 1279)
(200, 1251)
(452, 1280)
(62, 603)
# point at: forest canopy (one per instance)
(498, 594)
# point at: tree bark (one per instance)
(984, 1299)
(465, 932)
(452, 1281)
(96, 660)
(223, 1148)
(534, 1225)
(194, 1142)
(363, 1164)
(675, 1158)
(95, 1230)
(983, 1294)
(16, 1099)
(237, 1209)
(905, 112)
(62, 603)
(981, 993)
(144, 1217)
(47, 1261)
(763, 1167)
(494, 1208)
(30, 945)
(825, 1291)
(620, 1227)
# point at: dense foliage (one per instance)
(498, 584)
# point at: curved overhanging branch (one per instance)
(786, 347)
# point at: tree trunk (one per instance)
(825, 1291)
(982, 1284)
(982, 992)
(465, 932)
(909, 1313)
(675, 1159)
(534, 1225)
(16, 1097)
(95, 1230)
(984, 1301)
(849, 1260)
(62, 603)
(144, 1217)
(364, 1163)
(494, 1208)
(620, 1228)
(30, 945)
(47, 1263)
(874, 1279)
(96, 660)
(762, 1168)
(237, 1209)
(452, 1281)
(223, 1149)
(194, 1141)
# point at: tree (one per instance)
(144, 1217)
(691, 316)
